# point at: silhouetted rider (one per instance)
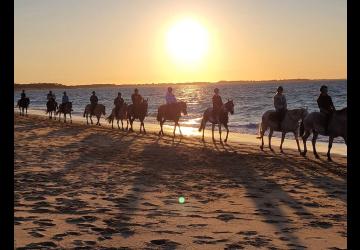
(326, 105)
(118, 102)
(93, 101)
(217, 104)
(280, 105)
(170, 97)
(23, 95)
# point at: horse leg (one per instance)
(122, 125)
(98, 120)
(220, 132)
(270, 135)
(179, 128)
(203, 131)
(304, 138)
(315, 135)
(161, 132)
(64, 118)
(212, 131)
(70, 117)
(227, 132)
(143, 125)
(282, 141)
(297, 142)
(331, 139)
(91, 119)
(174, 129)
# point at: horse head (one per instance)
(183, 107)
(230, 106)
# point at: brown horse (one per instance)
(98, 111)
(223, 119)
(51, 107)
(23, 105)
(137, 112)
(171, 112)
(120, 115)
(65, 108)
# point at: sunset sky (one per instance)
(114, 41)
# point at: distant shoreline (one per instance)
(62, 86)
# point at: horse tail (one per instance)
(110, 118)
(302, 128)
(260, 131)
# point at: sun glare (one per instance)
(187, 42)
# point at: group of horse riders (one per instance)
(324, 102)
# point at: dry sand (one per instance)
(86, 187)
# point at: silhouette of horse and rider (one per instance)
(327, 122)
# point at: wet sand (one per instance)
(87, 187)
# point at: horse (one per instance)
(290, 123)
(23, 105)
(65, 108)
(139, 112)
(315, 123)
(171, 112)
(227, 108)
(51, 107)
(121, 115)
(98, 111)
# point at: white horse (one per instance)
(315, 123)
(290, 123)
(98, 111)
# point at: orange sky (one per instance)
(82, 42)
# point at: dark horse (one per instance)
(171, 112)
(51, 107)
(223, 118)
(139, 112)
(23, 105)
(65, 108)
(315, 123)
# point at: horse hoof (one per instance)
(317, 156)
(281, 151)
(329, 159)
(225, 140)
(271, 149)
(261, 147)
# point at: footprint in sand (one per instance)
(226, 217)
(322, 224)
(163, 243)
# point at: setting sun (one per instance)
(187, 42)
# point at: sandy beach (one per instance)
(88, 187)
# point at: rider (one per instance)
(50, 95)
(136, 98)
(93, 100)
(170, 98)
(65, 98)
(326, 105)
(23, 95)
(217, 104)
(118, 101)
(280, 104)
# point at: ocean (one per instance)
(251, 99)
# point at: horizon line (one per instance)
(188, 82)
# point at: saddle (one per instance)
(276, 118)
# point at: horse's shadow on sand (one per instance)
(134, 175)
